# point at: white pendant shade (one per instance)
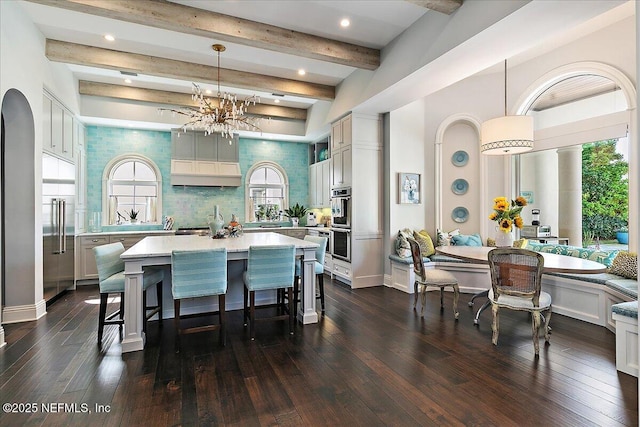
(507, 135)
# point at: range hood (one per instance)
(205, 173)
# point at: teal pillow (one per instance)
(603, 257)
(466, 240)
(549, 248)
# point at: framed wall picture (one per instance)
(409, 188)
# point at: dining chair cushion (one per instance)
(519, 303)
(437, 277)
(111, 269)
(270, 267)
(198, 273)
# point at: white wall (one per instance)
(23, 67)
(481, 97)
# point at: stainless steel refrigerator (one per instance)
(58, 228)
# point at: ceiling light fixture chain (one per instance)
(225, 115)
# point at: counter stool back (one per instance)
(269, 268)
(318, 271)
(195, 274)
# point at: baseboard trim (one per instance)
(24, 313)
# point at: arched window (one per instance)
(132, 183)
(267, 192)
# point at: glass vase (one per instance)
(215, 221)
(504, 239)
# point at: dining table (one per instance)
(553, 263)
(156, 251)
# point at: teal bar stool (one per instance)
(318, 270)
(111, 277)
(268, 268)
(196, 274)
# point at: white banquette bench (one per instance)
(593, 298)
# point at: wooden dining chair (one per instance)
(434, 277)
(268, 268)
(196, 274)
(111, 281)
(516, 280)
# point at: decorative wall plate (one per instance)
(460, 158)
(460, 186)
(460, 214)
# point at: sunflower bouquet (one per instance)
(507, 214)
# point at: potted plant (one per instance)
(295, 213)
(622, 235)
(133, 216)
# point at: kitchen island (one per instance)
(156, 251)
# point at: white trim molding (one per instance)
(24, 313)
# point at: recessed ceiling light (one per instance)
(301, 72)
(208, 92)
(276, 101)
(109, 37)
(127, 81)
(345, 23)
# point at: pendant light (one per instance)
(507, 134)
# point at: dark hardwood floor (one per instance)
(370, 361)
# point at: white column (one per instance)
(570, 194)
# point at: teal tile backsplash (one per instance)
(190, 205)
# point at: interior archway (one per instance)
(22, 249)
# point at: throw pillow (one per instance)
(520, 243)
(425, 243)
(403, 249)
(466, 240)
(603, 257)
(491, 242)
(443, 238)
(625, 264)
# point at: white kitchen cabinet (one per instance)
(58, 129)
(341, 167)
(341, 133)
(319, 184)
(356, 162)
(86, 268)
(198, 146)
(67, 148)
(313, 197)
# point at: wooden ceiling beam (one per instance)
(72, 53)
(189, 20)
(179, 99)
(442, 6)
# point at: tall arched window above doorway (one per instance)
(267, 192)
(132, 182)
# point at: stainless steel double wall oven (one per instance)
(341, 223)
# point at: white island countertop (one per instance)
(159, 246)
(156, 250)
